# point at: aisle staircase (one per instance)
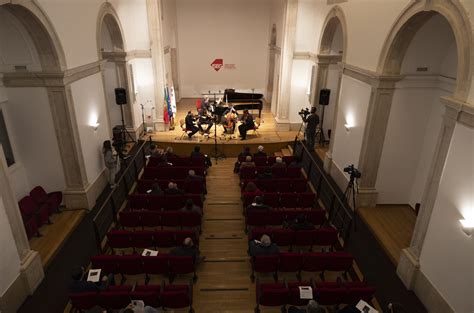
(224, 284)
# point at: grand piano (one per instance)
(244, 100)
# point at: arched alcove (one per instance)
(29, 45)
(111, 47)
(332, 51)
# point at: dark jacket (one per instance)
(174, 191)
(312, 122)
(78, 286)
(186, 251)
(256, 249)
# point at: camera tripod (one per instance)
(350, 195)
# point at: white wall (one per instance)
(9, 260)
(90, 106)
(277, 11)
(16, 46)
(234, 30)
(413, 110)
(134, 20)
(143, 75)
(34, 139)
(353, 105)
(300, 78)
(447, 256)
(75, 22)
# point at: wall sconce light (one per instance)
(95, 126)
(467, 226)
(347, 126)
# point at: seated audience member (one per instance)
(279, 163)
(173, 189)
(300, 223)
(193, 177)
(248, 162)
(312, 307)
(296, 162)
(187, 249)
(151, 150)
(257, 205)
(79, 284)
(245, 153)
(242, 154)
(267, 174)
(169, 153)
(155, 190)
(252, 189)
(197, 153)
(263, 247)
(191, 207)
(260, 152)
(138, 306)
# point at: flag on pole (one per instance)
(166, 117)
(168, 102)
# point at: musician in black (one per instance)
(190, 127)
(205, 118)
(247, 124)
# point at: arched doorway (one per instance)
(424, 69)
(332, 51)
(110, 42)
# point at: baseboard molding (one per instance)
(338, 175)
(85, 198)
(30, 276)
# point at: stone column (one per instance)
(373, 140)
(158, 60)
(283, 105)
(31, 268)
(65, 123)
(409, 263)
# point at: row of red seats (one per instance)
(36, 209)
(121, 239)
(171, 172)
(249, 172)
(134, 264)
(316, 217)
(195, 161)
(194, 186)
(269, 160)
(165, 202)
(279, 184)
(321, 237)
(148, 218)
(282, 200)
(288, 262)
(118, 297)
(325, 293)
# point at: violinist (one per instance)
(190, 126)
(206, 119)
(230, 119)
(247, 124)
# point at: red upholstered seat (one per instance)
(107, 263)
(176, 296)
(129, 264)
(290, 262)
(142, 239)
(52, 199)
(271, 294)
(114, 300)
(294, 293)
(129, 219)
(84, 300)
(118, 239)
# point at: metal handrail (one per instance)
(334, 194)
(109, 199)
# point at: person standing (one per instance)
(312, 121)
(111, 161)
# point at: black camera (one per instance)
(351, 170)
(304, 112)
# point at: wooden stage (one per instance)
(267, 135)
(392, 225)
(55, 235)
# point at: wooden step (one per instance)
(286, 152)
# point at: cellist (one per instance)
(229, 119)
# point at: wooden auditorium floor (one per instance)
(266, 133)
(392, 225)
(54, 235)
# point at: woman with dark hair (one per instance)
(111, 161)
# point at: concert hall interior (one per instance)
(225, 155)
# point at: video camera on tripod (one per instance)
(352, 171)
(304, 113)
